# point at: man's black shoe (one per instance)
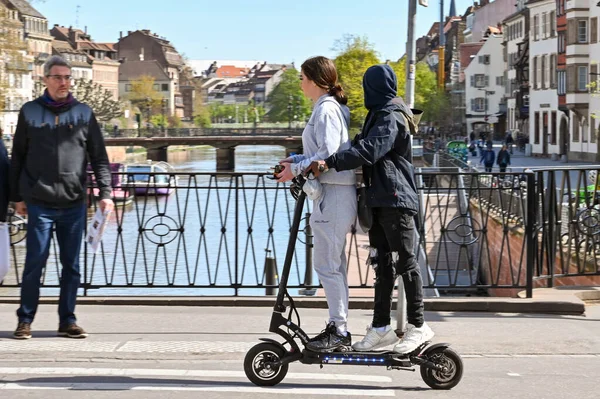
(329, 340)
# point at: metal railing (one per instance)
(226, 233)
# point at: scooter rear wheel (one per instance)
(437, 379)
(258, 364)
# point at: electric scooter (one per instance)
(267, 363)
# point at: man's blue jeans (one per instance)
(70, 224)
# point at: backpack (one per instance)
(488, 158)
(412, 121)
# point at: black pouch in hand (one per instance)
(365, 213)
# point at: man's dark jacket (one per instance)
(50, 153)
(383, 148)
(4, 186)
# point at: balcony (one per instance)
(577, 4)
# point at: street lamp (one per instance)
(164, 117)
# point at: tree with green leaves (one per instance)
(142, 90)
(355, 56)
(101, 101)
(201, 112)
(439, 109)
(288, 94)
(220, 113)
(425, 83)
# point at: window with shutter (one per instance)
(594, 77)
(544, 25)
(534, 72)
(552, 24)
(472, 80)
(582, 77)
(539, 77)
(535, 27)
(582, 33)
(553, 71)
(473, 105)
(486, 81)
(547, 71)
(571, 31)
(571, 72)
(543, 74)
(594, 30)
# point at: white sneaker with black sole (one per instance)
(414, 337)
(375, 340)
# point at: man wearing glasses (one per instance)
(55, 137)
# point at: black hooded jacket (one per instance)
(383, 148)
(51, 150)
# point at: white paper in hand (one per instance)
(4, 250)
(96, 229)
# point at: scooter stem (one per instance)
(289, 256)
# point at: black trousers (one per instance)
(393, 236)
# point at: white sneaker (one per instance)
(375, 339)
(414, 338)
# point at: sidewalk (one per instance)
(188, 334)
(562, 300)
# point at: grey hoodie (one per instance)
(325, 134)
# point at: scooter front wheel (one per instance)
(260, 367)
(448, 378)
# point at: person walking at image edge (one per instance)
(54, 138)
(334, 210)
(4, 186)
(488, 157)
(383, 149)
(503, 159)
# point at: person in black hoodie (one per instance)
(383, 149)
(4, 168)
(55, 137)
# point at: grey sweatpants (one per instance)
(331, 220)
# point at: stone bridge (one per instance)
(225, 141)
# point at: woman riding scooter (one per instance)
(334, 211)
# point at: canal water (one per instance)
(195, 237)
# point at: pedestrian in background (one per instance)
(503, 159)
(488, 157)
(55, 137)
(4, 185)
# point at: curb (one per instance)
(564, 306)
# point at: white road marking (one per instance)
(190, 388)
(514, 374)
(125, 372)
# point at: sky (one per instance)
(274, 31)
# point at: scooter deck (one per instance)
(373, 358)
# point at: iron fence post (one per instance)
(308, 277)
(270, 274)
(237, 225)
(550, 230)
(530, 236)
